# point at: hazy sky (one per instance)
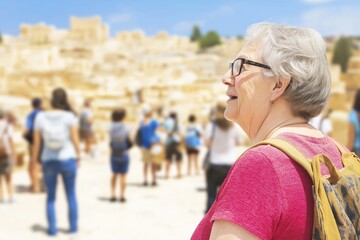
(227, 17)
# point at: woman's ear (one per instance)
(279, 88)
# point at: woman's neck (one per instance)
(280, 119)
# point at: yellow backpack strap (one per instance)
(289, 150)
(338, 145)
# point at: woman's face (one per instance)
(249, 93)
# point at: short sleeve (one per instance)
(250, 196)
(154, 124)
(199, 128)
(73, 120)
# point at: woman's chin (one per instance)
(228, 115)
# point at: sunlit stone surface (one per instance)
(130, 70)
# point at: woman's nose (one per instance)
(227, 79)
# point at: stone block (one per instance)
(339, 121)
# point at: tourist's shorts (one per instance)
(173, 149)
(146, 155)
(120, 163)
(86, 135)
(190, 150)
(157, 153)
(5, 165)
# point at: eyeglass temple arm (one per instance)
(256, 64)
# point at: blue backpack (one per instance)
(192, 137)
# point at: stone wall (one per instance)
(131, 70)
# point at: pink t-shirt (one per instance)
(269, 194)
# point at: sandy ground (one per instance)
(171, 210)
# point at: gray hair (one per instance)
(298, 53)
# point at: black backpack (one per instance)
(120, 146)
(138, 137)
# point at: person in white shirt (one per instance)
(58, 131)
(221, 137)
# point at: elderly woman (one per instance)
(277, 82)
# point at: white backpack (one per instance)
(54, 132)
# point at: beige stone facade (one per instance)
(88, 30)
(352, 77)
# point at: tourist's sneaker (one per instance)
(73, 236)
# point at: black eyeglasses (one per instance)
(237, 65)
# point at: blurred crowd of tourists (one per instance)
(59, 138)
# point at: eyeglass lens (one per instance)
(237, 65)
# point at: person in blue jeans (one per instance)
(67, 170)
(60, 155)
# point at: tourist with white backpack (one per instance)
(60, 155)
